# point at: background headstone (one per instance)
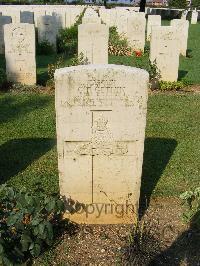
(3, 21)
(20, 53)
(194, 17)
(164, 52)
(136, 31)
(47, 30)
(93, 42)
(182, 27)
(153, 20)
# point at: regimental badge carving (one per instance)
(19, 44)
(102, 142)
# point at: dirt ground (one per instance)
(162, 239)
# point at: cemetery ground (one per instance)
(28, 158)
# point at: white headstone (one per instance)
(184, 14)
(3, 21)
(153, 20)
(47, 30)
(14, 13)
(20, 53)
(101, 119)
(182, 27)
(194, 17)
(164, 52)
(91, 19)
(60, 18)
(122, 21)
(93, 42)
(136, 31)
(38, 13)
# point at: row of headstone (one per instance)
(100, 109)
(101, 118)
(65, 17)
(167, 43)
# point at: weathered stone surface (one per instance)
(136, 30)
(72, 15)
(37, 14)
(164, 52)
(27, 17)
(101, 118)
(122, 21)
(194, 17)
(182, 27)
(93, 42)
(105, 15)
(3, 21)
(20, 53)
(47, 29)
(91, 19)
(14, 13)
(153, 20)
(60, 19)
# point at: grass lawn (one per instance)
(171, 160)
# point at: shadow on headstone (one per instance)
(157, 153)
(17, 154)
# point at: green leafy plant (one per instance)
(79, 60)
(51, 70)
(118, 44)
(169, 86)
(154, 73)
(75, 61)
(44, 48)
(195, 4)
(27, 223)
(191, 199)
(68, 40)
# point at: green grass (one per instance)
(42, 62)
(171, 160)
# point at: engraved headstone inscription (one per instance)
(20, 53)
(153, 20)
(164, 52)
(47, 29)
(93, 42)
(182, 27)
(101, 118)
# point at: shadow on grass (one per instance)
(11, 108)
(42, 62)
(157, 153)
(17, 154)
(182, 74)
(2, 61)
